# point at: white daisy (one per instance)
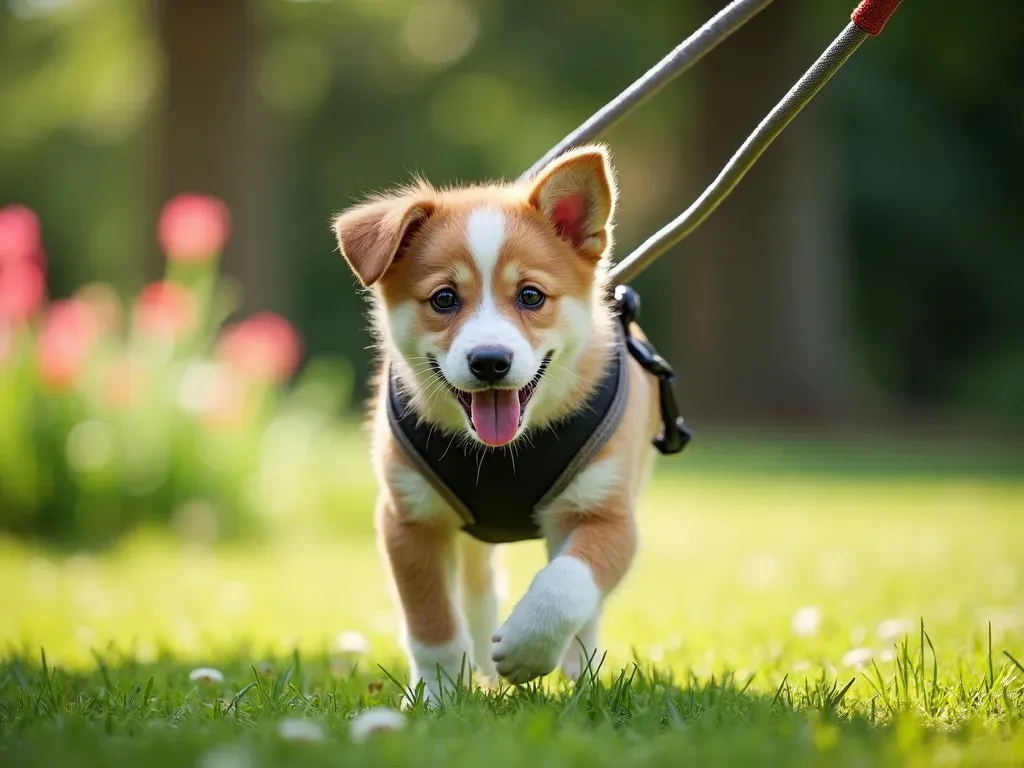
(857, 658)
(375, 720)
(206, 675)
(806, 621)
(226, 757)
(893, 629)
(351, 642)
(296, 729)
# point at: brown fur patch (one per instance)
(418, 552)
(605, 539)
(604, 536)
(371, 234)
(476, 570)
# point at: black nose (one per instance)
(490, 364)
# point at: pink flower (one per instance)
(105, 304)
(22, 290)
(19, 235)
(125, 383)
(165, 309)
(193, 227)
(6, 341)
(228, 401)
(264, 347)
(69, 331)
(216, 393)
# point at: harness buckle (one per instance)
(675, 434)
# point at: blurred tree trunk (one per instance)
(213, 135)
(759, 317)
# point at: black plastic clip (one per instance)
(675, 434)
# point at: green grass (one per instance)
(923, 570)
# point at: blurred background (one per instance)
(865, 278)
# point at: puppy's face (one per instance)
(487, 294)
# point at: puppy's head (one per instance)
(488, 295)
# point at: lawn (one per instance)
(807, 605)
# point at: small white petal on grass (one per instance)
(857, 658)
(206, 675)
(806, 621)
(351, 642)
(892, 629)
(296, 729)
(226, 757)
(375, 720)
(341, 666)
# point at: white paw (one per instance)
(486, 672)
(435, 691)
(578, 661)
(572, 663)
(538, 633)
(583, 656)
(440, 668)
(524, 650)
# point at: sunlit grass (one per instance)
(774, 614)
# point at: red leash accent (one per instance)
(871, 15)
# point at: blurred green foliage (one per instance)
(359, 93)
(151, 411)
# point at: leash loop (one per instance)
(675, 434)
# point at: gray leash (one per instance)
(868, 18)
(684, 56)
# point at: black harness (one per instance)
(497, 491)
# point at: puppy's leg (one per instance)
(567, 593)
(424, 565)
(480, 599)
(583, 648)
(584, 652)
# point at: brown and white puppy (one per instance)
(455, 275)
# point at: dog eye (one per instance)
(444, 300)
(531, 298)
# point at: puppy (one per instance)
(496, 333)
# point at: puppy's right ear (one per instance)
(370, 235)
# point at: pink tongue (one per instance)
(495, 415)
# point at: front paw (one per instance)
(441, 670)
(525, 649)
(536, 636)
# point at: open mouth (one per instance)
(497, 413)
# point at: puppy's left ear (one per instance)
(576, 193)
(370, 235)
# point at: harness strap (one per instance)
(675, 435)
(602, 432)
(496, 492)
(397, 414)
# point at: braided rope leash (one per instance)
(868, 19)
